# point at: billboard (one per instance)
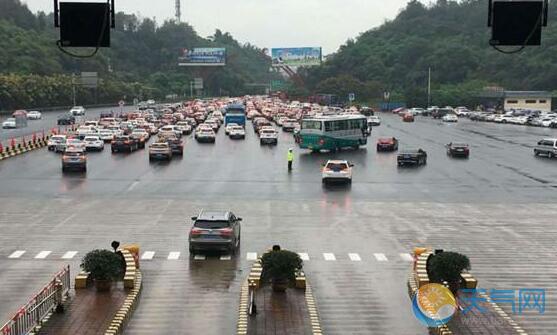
(203, 57)
(296, 56)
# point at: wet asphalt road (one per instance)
(498, 207)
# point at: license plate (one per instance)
(459, 149)
(407, 156)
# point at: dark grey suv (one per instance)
(215, 230)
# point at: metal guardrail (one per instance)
(47, 300)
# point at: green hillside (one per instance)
(142, 61)
(450, 37)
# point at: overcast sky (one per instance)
(268, 23)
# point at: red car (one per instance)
(408, 117)
(387, 144)
(458, 150)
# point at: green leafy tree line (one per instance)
(451, 38)
(142, 61)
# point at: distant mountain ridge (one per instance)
(142, 60)
(450, 37)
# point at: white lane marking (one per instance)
(199, 257)
(133, 185)
(225, 257)
(147, 255)
(355, 257)
(329, 256)
(407, 257)
(43, 254)
(69, 255)
(17, 254)
(304, 256)
(174, 255)
(380, 257)
(251, 256)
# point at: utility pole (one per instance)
(73, 88)
(428, 87)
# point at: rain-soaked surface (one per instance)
(498, 207)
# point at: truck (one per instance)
(235, 113)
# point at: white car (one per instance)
(289, 124)
(237, 132)
(77, 111)
(184, 126)
(337, 170)
(93, 143)
(9, 123)
(34, 115)
(141, 132)
(75, 143)
(56, 142)
(171, 128)
(205, 134)
(86, 131)
(268, 135)
(450, 118)
(106, 135)
(546, 122)
(374, 121)
(503, 118)
(228, 127)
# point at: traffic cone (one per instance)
(34, 137)
(1, 148)
(12, 143)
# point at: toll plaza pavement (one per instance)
(498, 207)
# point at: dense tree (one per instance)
(449, 37)
(143, 61)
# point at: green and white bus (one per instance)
(332, 132)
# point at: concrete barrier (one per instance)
(254, 281)
(132, 280)
(12, 151)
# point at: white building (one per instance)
(531, 100)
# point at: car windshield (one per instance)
(211, 224)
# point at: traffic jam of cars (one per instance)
(162, 129)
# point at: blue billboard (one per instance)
(203, 57)
(309, 56)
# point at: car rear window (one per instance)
(337, 166)
(212, 224)
(74, 154)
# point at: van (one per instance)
(547, 146)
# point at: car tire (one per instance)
(192, 251)
(550, 155)
(113, 151)
(536, 153)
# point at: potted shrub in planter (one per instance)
(447, 267)
(280, 267)
(104, 266)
